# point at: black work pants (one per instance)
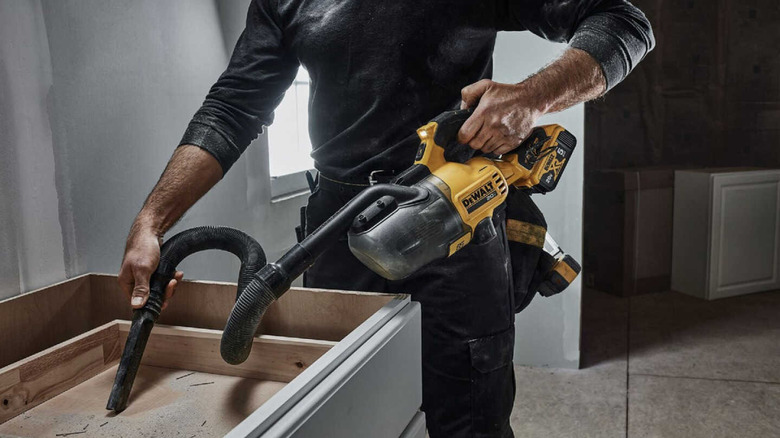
(467, 322)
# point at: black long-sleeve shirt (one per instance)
(380, 69)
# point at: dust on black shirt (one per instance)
(380, 69)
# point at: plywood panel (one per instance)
(34, 321)
(321, 314)
(165, 403)
(107, 301)
(196, 304)
(300, 313)
(64, 378)
(45, 375)
(271, 358)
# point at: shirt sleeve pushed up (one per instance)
(244, 97)
(614, 32)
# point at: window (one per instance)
(288, 140)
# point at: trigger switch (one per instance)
(484, 232)
(420, 152)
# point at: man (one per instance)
(379, 70)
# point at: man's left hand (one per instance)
(503, 117)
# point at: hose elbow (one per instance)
(270, 283)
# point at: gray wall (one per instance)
(95, 95)
(548, 331)
(31, 238)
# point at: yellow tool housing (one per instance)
(480, 184)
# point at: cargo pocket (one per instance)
(311, 217)
(525, 231)
(492, 384)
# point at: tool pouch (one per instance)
(300, 230)
(525, 231)
(533, 269)
(553, 276)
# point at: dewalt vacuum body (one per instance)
(461, 193)
(444, 201)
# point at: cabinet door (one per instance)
(745, 232)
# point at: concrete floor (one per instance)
(662, 365)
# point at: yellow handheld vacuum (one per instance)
(461, 193)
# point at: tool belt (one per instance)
(533, 269)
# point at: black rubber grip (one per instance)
(449, 124)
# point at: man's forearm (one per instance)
(504, 114)
(190, 173)
(573, 78)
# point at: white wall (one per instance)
(548, 331)
(31, 238)
(117, 82)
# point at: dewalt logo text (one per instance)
(479, 196)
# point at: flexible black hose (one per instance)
(274, 279)
(188, 242)
(172, 253)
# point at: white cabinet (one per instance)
(726, 232)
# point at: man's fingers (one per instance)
(141, 275)
(470, 128)
(125, 280)
(491, 145)
(170, 289)
(503, 148)
(140, 292)
(480, 140)
(470, 94)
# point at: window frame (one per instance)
(291, 185)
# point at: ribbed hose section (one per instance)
(244, 319)
(188, 242)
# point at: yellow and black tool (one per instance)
(463, 191)
(555, 270)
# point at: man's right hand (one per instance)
(190, 173)
(142, 255)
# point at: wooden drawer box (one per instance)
(328, 364)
